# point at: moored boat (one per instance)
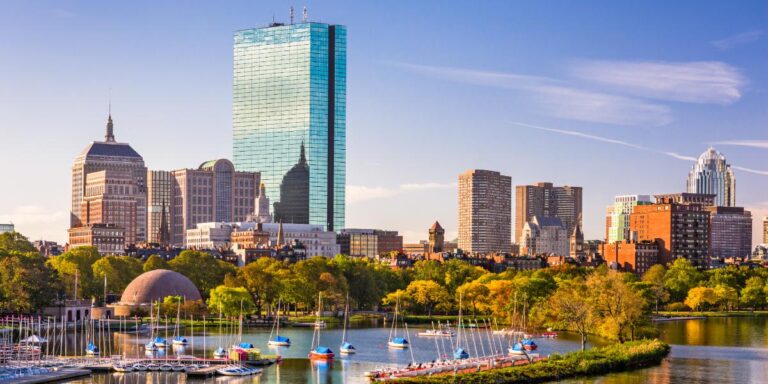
(398, 342)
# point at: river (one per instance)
(715, 350)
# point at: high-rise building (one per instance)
(160, 199)
(214, 192)
(678, 223)
(485, 211)
(618, 225)
(110, 198)
(713, 175)
(545, 236)
(730, 232)
(109, 155)
(547, 200)
(7, 228)
(290, 88)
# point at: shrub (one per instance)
(677, 307)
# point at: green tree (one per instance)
(753, 294)
(155, 262)
(26, 282)
(263, 280)
(473, 292)
(571, 307)
(620, 310)
(427, 294)
(119, 271)
(429, 270)
(700, 296)
(204, 270)
(230, 301)
(680, 278)
(77, 264)
(655, 277)
(457, 272)
(15, 241)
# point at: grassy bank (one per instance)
(595, 361)
(714, 313)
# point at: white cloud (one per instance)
(738, 39)
(680, 157)
(750, 170)
(36, 222)
(557, 97)
(358, 193)
(693, 82)
(745, 143)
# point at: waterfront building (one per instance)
(679, 223)
(631, 256)
(730, 232)
(214, 192)
(289, 91)
(545, 236)
(546, 200)
(617, 224)
(7, 228)
(711, 174)
(370, 243)
(159, 200)
(110, 198)
(108, 239)
(119, 159)
(485, 211)
(153, 286)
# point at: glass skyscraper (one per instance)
(290, 95)
(713, 175)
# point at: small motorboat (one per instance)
(166, 367)
(180, 340)
(398, 342)
(153, 367)
(279, 341)
(529, 345)
(516, 349)
(179, 368)
(122, 368)
(437, 333)
(347, 349)
(220, 353)
(92, 349)
(235, 370)
(460, 354)
(321, 353)
(139, 367)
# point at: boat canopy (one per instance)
(282, 339)
(517, 347)
(460, 353)
(92, 347)
(347, 345)
(400, 340)
(528, 342)
(159, 340)
(323, 350)
(245, 345)
(180, 338)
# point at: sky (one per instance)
(616, 97)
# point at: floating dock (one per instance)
(50, 377)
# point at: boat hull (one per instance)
(397, 345)
(321, 356)
(273, 343)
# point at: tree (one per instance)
(263, 280)
(457, 272)
(473, 292)
(119, 271)
(500, 298)
(753, 294)
(618, 307)
(427, 294)
(155, 262)
(727, 296)
(680, 278)
(230, 301)
(571, 306)
(77, 264)
(14, 241)
(655, 277)
(699, 296)
(429, 270)
(202, 269)
(26, 282)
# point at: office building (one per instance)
(370, 243)
(110, 155)
(289, 93)
(7, 228)
(159, 201)
(547, 200)
(108, 239)
(545, 236)
(713, 175)
(678, 223)
(730, 232)
(214, 192)
(631, 256)
(485, 211)
(617, 228)
(209, 236)
(110, 198)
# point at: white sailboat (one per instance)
(346, 347)
(394, 340)
(278, 341)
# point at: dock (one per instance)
(50, 377)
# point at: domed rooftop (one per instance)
(158, 284)
(711, 155)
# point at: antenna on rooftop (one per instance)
(304, 15)
(291, 14)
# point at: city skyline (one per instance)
(652, 129)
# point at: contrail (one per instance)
(627, 144)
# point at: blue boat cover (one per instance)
(245, 345)
(460, 353)
(528, 342)
(92, 347)
(220, 350)
(517, 347)
(180, 338)
(347, 345)
(159, 340)
(400, 340)
(282, 338)
(323, 350)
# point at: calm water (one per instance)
(726, 350)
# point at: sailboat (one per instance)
(178, 340)
(459, 353)
(278, 341)
(318, 351)
(346, 347)
(394, 340)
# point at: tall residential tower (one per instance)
(485, 211)
(289, 94)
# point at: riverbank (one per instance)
(713, 314)
(595, 361)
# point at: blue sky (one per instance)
(612, 96)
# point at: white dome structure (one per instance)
(713, 175)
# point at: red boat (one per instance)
(321, 353)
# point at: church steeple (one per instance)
(110, 136)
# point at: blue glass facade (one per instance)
(290, 89)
